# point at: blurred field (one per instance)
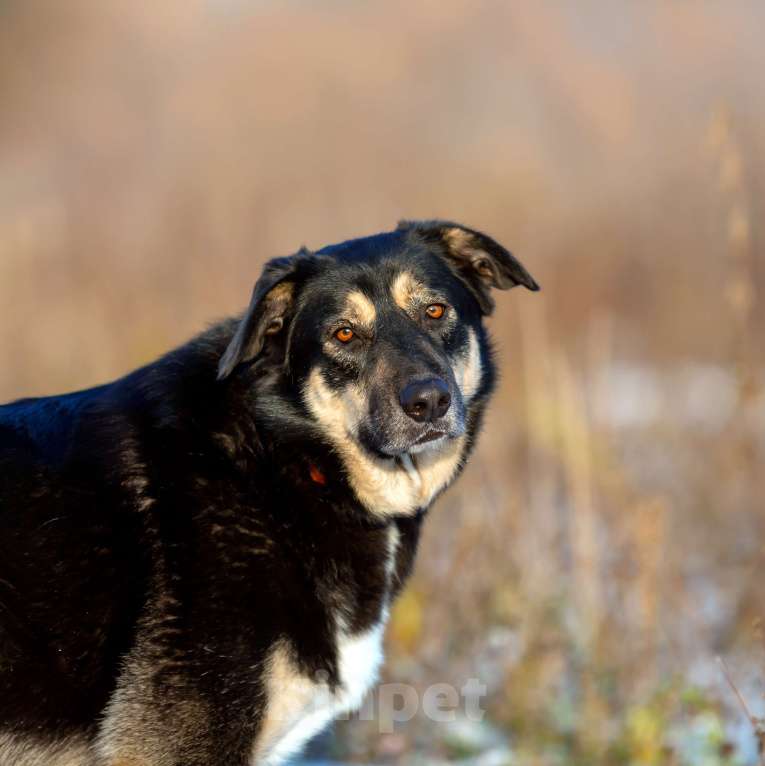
(606, 542)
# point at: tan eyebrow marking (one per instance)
(405, 289)
(361, 308)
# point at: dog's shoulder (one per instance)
(43, 426)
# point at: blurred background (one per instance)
(605, 544)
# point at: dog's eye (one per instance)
(344, 334)
(435, 310)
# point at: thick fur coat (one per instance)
(197, 560)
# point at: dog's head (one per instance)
(381, 341)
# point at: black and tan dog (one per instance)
(197, 560)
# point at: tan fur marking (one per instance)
(26, 751)
(382, 485)
(406, 289)
(289, 695)
(457, 239)
(281, 292)
(135, 733)
(468, 370)
(394, 539)
(298, 707)
(141, 726)
(464, 246)
(278, 300)
(360, 308)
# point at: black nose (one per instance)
(425, 400)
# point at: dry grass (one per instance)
(606, 542)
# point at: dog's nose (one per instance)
(425, 400)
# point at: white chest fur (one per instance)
(299, 707)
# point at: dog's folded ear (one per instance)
(480, 261)
(271, 302)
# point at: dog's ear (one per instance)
(271, 303)
(480, 261)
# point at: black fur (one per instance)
(178, 503)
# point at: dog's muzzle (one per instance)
(419, 415)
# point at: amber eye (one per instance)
(344, 334)
(435, 310)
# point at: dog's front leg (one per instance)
(163, 721)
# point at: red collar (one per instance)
(316, 475)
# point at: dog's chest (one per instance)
(300, 706)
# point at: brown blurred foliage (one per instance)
(607, 537)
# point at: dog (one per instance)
(197, 560)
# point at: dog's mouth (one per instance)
(430, 436)
(431, 440)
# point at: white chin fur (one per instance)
(408, 465)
